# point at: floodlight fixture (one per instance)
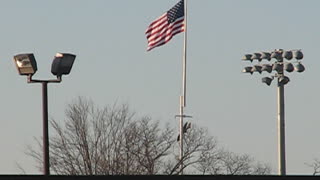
(289, 67)
(277, 55)
(247, 69)
(267, 68)
(299, 67)
(62, 64)
(283, 80)
(256, 56)
(277, 67)
(298, 54)
(267, 80)
(247, 57)
(266, 55)
(256, 68)
(288, 55)
(26, 64)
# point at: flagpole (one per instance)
(184, 78)
(181, 135)
(184, 75)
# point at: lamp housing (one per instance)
(266, 55)
(298, 54)
(26, 64)
(283, 80)
(256, 68)
(288, 55)
(267, 80)
(247, 57)
(247, 69)
(289, 67)
(62, 64)
(299, 67)
(267, 67)
(256, 56)
(277, 67)
(277, 55)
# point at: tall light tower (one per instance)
(283, 62)
(26, 65)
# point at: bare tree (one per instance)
(223, 162)
(107, 141)
(242, 164)
(197, 144)
(315, 165)
(113, 141)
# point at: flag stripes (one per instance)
(166, 26)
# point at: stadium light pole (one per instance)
(279, 66)
(61, 65)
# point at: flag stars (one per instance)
(176, 12)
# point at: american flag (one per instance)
(166, 26)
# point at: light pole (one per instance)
(279, 66)
(61, 65)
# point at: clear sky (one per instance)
(112, 65)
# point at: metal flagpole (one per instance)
(183, 97)
(181, 134)
(184, 64)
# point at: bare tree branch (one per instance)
(315, 165)
(113, 141)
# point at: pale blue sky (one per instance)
(112, 65)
